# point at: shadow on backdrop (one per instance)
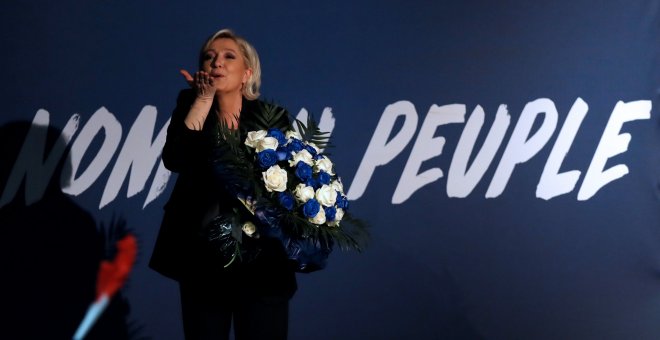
(50, 250)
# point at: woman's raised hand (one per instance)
(202, 82)
(203, 85)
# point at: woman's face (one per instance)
(225, 63)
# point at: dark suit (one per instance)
(180, 253)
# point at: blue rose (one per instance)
(303, 171)
(296, 145)
(311, 208)
(286, 200)
(282, 154)
(312, 182)
(267, 158)
(324, 177)
(277, 134)
(330, 213)
(342, 201)
(288, 152)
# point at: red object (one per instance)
(113, 274)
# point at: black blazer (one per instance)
(178, 252)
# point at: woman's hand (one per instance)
(203, 85)
(202, 82)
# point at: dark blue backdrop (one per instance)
(514, 266)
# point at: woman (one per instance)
(254, 294)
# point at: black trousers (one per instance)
(208, 313)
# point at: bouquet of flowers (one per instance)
(285, 180)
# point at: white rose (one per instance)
(304, 156)
(249, 228)
(323, 164)
(275, 178)
(303, 193)
(326, 195)
(254, 137)
(338, 216)
(267, 143)
(336, 184)
(293, 134)
(319, 218)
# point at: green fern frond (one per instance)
(310, 131)
(270, 116)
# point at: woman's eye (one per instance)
(208, 56)
(230, 56)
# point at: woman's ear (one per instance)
(247, 75)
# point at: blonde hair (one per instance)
(251, 88)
